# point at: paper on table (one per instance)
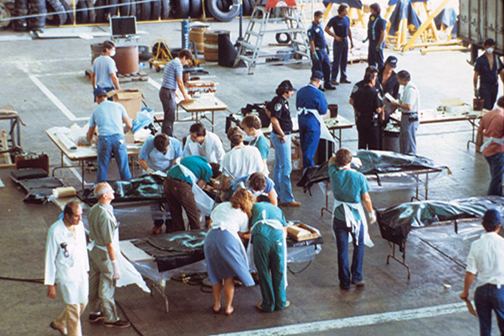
(389, 97)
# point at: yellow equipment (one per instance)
(161, 55)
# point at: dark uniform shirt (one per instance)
(365, 101)
(316, 34)
(340, 25)
(375, 27)
(487, 75)
(279, 108)
(391, 87)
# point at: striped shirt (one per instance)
(172, 71)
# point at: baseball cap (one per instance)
(101, 93)
(392, 61)
(316, 74)
(286, 86)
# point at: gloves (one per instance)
(476, 93)
(117, 274)
(372, 218)
(150, 171)
(379, 47)
(315, 56)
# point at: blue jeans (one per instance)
(340, 59)
(341, 232)
(487, 298)
(106, 146)
(283, 168)
(309, 131)
(323, 64)
(496, 164)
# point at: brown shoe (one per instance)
(157, 230)
(292, 204)
(61, 330)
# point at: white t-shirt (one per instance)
(241, 161)
(411, 96)
(225, 217)
(211, 148)
(486, 259)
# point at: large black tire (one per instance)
(138, 10)
(54, 6)
(196, 10)
(91, 11)
(125, 9)
(37, 7)
(112, 10)
(133, 8)
(100, 11)
(82, 12)
(220, 15)
(6, 14)
(180, 8)
(69, 12)
(165, 9)
(146, 11)
(20, 9)
(247, 7)
(155, 10)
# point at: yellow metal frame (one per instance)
(163, 55)
(352, 12)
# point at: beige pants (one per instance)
(70, 319)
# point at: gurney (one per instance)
(385, 171)
(397, 222)
(160, 258)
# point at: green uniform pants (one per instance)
(102, 285)
(270, 263)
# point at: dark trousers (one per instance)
(375, 57)
(488, 92)
(340, 59)
(496, 165)
(309, 134)
(369, 135)
(167, 97)
(487, 298)
(341, 232)
(179, 196)
(323, 65)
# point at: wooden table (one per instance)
(333, 124)
(207, 103)
(83, 154)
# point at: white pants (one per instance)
(70, 319)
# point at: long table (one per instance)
(207, 103)
(83, 154)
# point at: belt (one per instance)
(409, 112)
(172, 178)
(168, 89)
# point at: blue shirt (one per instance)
(157, 160)
(375, 28)
(172, 71)
(340, 25)
(103, 66)
(316, 34)
(197, 164)
(108, 117)
(487, 75)
(271, 211)
(269, 184)
(262, 144)
(347, 186)
(311, 98)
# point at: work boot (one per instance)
(117, 324)
(345, 81)
(329, 87)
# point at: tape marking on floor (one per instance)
(356, 321)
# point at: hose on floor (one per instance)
(37, 281)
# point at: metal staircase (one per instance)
(287, 21)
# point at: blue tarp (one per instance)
(403, 10)
(447, 17)
(351, 3)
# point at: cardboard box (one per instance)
(296, 154)
(130, 99)
(298, 232)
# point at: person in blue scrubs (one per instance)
(342, 33)
(159, 154)
(318, 48)
(267, 236)
(310, 101)
(487, 68)
(376, 36)
(258, 185)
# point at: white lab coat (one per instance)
(69, 273)
(242, 161)
(211, 148)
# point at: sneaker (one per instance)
(329, 87)
(359, 283)
(292, 204)
(117, 324)
(333, 82)
(157, 230)
(95, 317)
(345, 81)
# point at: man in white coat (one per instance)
(201, 142)
(67, 266)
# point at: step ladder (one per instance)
(288, 21)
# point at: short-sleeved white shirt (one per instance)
(411, 96)
(241, 161)
(225, 217)
(486, 259)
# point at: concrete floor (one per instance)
(315, 296)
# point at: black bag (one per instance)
(261, 113)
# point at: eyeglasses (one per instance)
(65, 251)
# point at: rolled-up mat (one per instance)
(63, 192)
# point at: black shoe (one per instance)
(329, 87)
(321, 89)
(95, 317)
(345, 81)
(117, 324)
(344, 287)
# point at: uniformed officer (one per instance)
(359, 85)
(376, 36)
(367, 104)
(281, 121)
(311, 105)
(341, 27)
(487, 67)
(387, 83)
(318, 47)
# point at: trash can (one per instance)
(391, 139)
